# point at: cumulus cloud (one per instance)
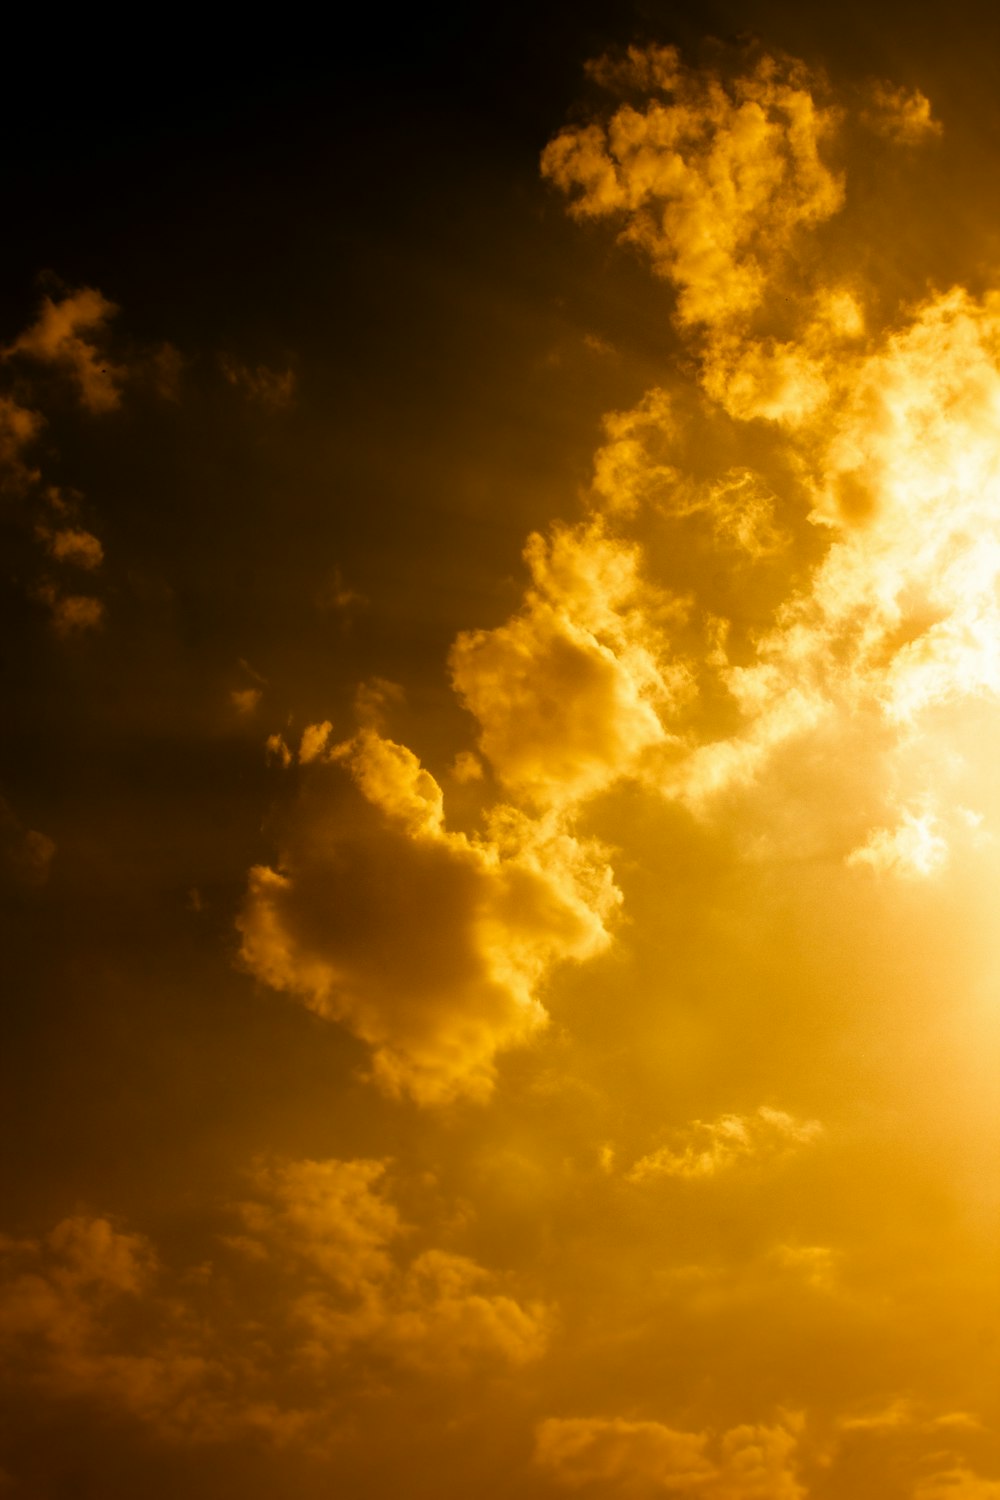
(61, 1299)
(897, 469)
(71, 614)
(711, 177)
(25, 854)
(68, 334)
(572, 691)
(902, 115)
(246, 700)
(958, 1483)
(313, 741)
(649, 1459)
(900, 615)
(429, 944)
(19, 426)
(890, 437)
(913, 848)
(433, 946)
(276, 751)
(467, 767)
(72, 544)
(332, 1227)
(270, 388)
(704, 1149)
(903, 1414)
(637, 477)
(319, 1278)
(635, 466)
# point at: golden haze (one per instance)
(584, 1034)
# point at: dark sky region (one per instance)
(477, 1021)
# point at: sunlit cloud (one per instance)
(634, 790)
(711, 178)
(706, 1148)
(428, 944)
(68, 335)
(270, 388)
(613, 1455)
(25, 854)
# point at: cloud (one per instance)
(319, 1282)
(313, 742)
(330, 1227)
(789, 382)
(578, 1451)
(273, 389)
(889, 440)
(25, 854)
(637, 478)
(72, 614)
(895, 618)
(467, 767)
(71, 544)
(816, 1265)
(959, 1483)
(711, 178)
(276, 752)
(19, 426)
(246, 700)
(903, 1414)
(649, 1459)
(706, 1149)
(165, 368)
(913, 848)
(902, 115)
(572, 691)
(68, 334)
(60, 1299)
(634, 466)
(86, 1314)
(433, 946)
(337, 594)
(429, 945)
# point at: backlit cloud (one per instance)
(710, 177)
(269, 388)
(706, 1148)
(331, 1228)
(315, 1280)
(617, 1456)
(430, 945)
(25, 854)
(69, 334)
(571, 692)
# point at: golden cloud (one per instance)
(430, 945)
(314, 1281)
(438, 1311)
(958, 1483)
(68, 334)
(650, 1459)
(25, 854)
(706, 1148)
(570, 693)
(270, 388)
(712, 177)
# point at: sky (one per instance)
(498, 819)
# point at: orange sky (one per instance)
(498, 820)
